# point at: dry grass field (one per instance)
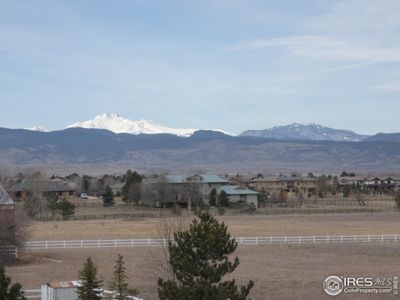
(257, 225)
(94, 206)
(279, 271)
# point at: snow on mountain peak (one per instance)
(118, 124)
(37, 128)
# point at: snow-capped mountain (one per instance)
(118, 124)
(314, 132)
(37, 128)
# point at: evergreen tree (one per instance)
(199, 260)
(7, 292)
(108, 196)
(212, 197)
(131, 191)
(223, 199)
(119, 283)
(65, 208)
(89, 282)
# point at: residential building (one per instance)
(182, 190)
(7, 208)
(40, 188)
(288, 184)
(238, 194)
(381, 185)
(352, 180)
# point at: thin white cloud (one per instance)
(345, 67)
(325, 48)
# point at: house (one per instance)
(352, 180)
(238, 194)
(381, 185)
(7, 223)
(7, 208)
(185, 190)
(40, 188)
(243, 181)
(288, 184)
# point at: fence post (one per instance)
(313, 239)
(81, 243)
(256, 240)
(16, 252)
(115, 243)
(64, 244)
(47, 244)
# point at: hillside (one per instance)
(203, 148)
(312, 132)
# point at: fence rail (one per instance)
(33, 294)
(322, 239)
(10, 251)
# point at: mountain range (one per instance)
(203, 149)
(313, 132)
(296, 131)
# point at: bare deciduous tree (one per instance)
(158, 258)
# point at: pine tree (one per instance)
(131, 191)
(119, 283)
(223, 199)
(89, 281)
(199, 260)
(7, 292)
(108, 196)
(65, 208)
(212, 197)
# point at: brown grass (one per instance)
(329, 224)
(279, 271)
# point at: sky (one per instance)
(227, 64)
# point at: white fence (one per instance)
(323, 239)
(8, 251)
(33, 294)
